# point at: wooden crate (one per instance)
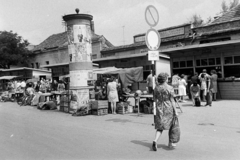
(98, 104)
(99, 112)
(64, 109)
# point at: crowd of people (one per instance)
(199, 87)
(29, 88)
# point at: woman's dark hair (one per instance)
(162, 77)
(213, 71)
(203, 75)
(182, 75)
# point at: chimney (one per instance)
(92, 26)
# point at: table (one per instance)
(151, 96)
(46, 95)
(138, 98)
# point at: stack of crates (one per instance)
(64, 103)
(122, 107)
(99, 107)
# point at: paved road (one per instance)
(207, 133)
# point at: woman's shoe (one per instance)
(154, 146)
(171, 145)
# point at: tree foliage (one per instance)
(12, 49)
(196, 20)
(226, 7)
(233, 4)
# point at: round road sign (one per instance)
(151, 16)
(153, 39)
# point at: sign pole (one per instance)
(153, 41)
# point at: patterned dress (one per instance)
(163, 95)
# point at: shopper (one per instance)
(214, 78)
(165, 108)
(54, 85)
(209, 91)
(150, 83)
(195, 79)
(175, 82)
(61, 86)
(112, 94)
(203, 79)
(195, 92)
(182, 88)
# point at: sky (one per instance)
(116, 20)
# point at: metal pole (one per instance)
(154, 105)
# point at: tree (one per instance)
(224, 7)
(233, 4)
(196, 20)
(13, 49)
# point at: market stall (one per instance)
(126, 77)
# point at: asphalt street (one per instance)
(206, 133)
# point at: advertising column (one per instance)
(80, 61)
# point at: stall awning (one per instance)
(8, 77)
(128, 75)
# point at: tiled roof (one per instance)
(143, 44)
(53, 41)
(60, 40)
(232, 15)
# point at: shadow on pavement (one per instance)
(187, 105)
(125, 121)
(238, 131)
(149, 145)
(119, 120)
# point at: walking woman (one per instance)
(182, 88)
(165, 108)
(214, 78)
(112, 94)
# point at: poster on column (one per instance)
(80, 77)
(82, 98)
(82, 43)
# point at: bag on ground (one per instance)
(197, 102)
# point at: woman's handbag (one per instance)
(174, 131)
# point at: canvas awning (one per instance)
(128, 75)
(8, 77)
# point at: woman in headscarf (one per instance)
(165, 108)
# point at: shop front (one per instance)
(223, 57)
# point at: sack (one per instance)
(174, 131)
(197, 102)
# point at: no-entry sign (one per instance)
(153, 39)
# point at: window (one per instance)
(32, 64)
(218, 61)
(183, 64)
(237, 59)
(47, 62)
(198, 62)
(204, 62)
(189, 63)
(228, 60)
(37, 65)
(208, 62)
(211, 61)
(175, 64)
